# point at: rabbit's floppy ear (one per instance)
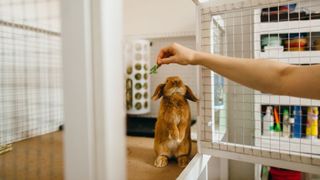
(189, 94)
(158, 92)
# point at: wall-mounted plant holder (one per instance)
(137, 54)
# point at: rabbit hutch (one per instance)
(76, 88)
(251, 126)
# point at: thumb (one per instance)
(168, 60)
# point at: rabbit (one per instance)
(172, 130)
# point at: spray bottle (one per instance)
(312, 122)
(277, 126)
(286, 127)
(297, 127)
(291, 121)
(268, 122)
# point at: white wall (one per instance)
(187, 73)
(165, 18)
(149, 17)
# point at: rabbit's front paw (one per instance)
(183, 161)
(161, 161)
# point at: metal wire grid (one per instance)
(30, 85)
(235, 125)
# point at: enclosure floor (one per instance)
(36, 158)
(140, 161)
(41, 158)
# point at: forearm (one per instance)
(263, 75)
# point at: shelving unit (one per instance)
(302, 146)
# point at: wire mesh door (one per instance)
(31, 109)
(244, 124)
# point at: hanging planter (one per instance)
(137, 56)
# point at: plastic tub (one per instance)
(283, 174)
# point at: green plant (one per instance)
(153, 70)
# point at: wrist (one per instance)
(196, 58)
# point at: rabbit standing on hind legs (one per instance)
(172, 132)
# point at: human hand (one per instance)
(176, 53)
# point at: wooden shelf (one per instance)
(302, 145)
(288, 26)
(266, 99)
(312, 25)
(291, 57)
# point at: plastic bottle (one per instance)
(312, 122)
(277, 126)
(291, 121)
(297, 127)
(268, 122)
(286, 128)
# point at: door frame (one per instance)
(94, 137)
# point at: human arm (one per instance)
(267, 76)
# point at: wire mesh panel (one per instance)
(241, 123)
(31, 109)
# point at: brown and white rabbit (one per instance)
(172, 132)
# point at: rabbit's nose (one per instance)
(175, 82)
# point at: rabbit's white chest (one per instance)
(176, 118)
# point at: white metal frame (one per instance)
(196, 169)
(93, 89)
